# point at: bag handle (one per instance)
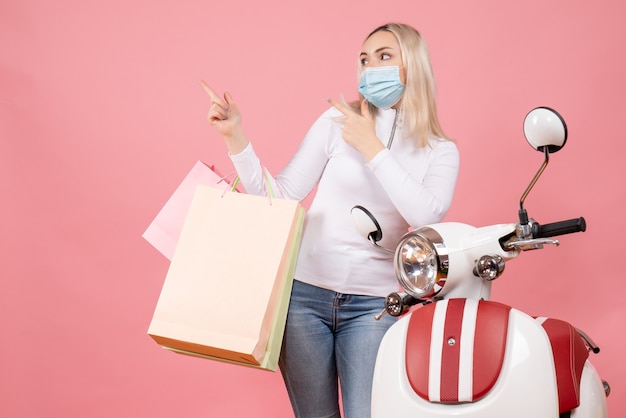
(233, 186)
(268, 185)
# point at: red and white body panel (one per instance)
(511, 374)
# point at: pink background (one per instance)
(101, 115)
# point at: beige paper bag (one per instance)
(222, 291)
(275, 338)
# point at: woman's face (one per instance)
(382, 49)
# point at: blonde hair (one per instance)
(418, 107)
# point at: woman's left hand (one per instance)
(359, 129)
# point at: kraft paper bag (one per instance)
(164, 230)
(230, 275)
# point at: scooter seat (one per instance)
(570, 353)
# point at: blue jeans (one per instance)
(331, 337)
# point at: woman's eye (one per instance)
(384, 56)
(364, 61)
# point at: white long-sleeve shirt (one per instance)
(402, 186)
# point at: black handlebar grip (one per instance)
(559, 228)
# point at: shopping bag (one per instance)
(277, 330)
(164, 230)
(229, 281)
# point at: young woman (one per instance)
(387, 153)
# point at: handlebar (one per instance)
(559, 228)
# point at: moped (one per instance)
(453, 351)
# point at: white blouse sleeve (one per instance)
(424, 201)
(303, 171)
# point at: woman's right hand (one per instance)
(225, 117)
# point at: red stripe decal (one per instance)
(418, 348)
(450, 351)
(489, 345)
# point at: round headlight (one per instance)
(421, 263)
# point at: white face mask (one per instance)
(381, 86)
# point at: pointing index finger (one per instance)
(209, 90)
(341, 107)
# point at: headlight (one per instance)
(421, 263)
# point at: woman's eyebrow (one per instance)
(377, 51)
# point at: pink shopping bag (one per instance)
(164, 231)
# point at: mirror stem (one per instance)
(522, 212)
(375, 244)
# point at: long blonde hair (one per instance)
(418, 107)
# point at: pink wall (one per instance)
(101, 115)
